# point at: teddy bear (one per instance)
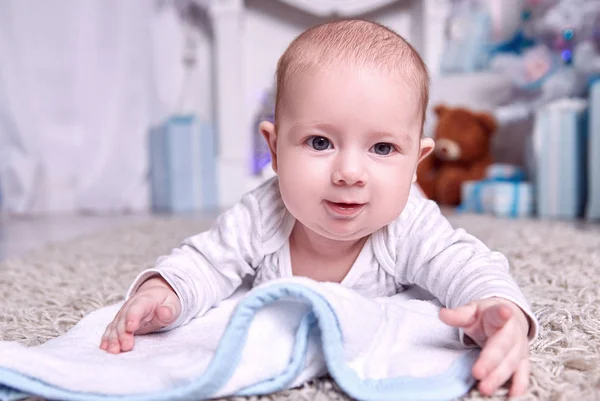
(463, 140)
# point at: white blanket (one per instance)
(272, 337)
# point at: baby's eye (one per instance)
(319, 143)
(382, 148)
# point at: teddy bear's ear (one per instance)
(440, 109)
(487, 121)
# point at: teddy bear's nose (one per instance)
(447, 149)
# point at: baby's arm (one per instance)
(453, 265)
(194, 277)
(210, 266)
(483, 300)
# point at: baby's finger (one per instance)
(126, 341)
(463, 316)
(114, 346)
(104, 341)
(163, 316)
(493, 353)
(495, 317)
(104, 338)
(120, 324)
(141, 309)
(501, 374)
(125, 337)
(520, 380)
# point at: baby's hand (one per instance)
(154, 306)
(500, 328)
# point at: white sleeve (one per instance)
(208, 267)
(453, 265)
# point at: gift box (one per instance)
(593, 205)
(560, 153)
(503, 193)
(500, 198)
(183, 166)
(505, 172)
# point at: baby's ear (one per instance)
(267, 129)
(426, 147)
(440, 109)
(487, 121)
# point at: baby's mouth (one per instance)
(347, 209)
(345, 205)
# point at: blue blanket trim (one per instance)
(286, 378)
(453, 383)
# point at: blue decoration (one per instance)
(517, 44)
(567, 56)
(568, 34)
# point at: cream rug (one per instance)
(46, 292)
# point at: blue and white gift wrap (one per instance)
(560, 153)
(593, 205)
(503, 193)
(183, 165)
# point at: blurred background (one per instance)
(111, 111)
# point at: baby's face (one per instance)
(347, 147)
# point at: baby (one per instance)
(347, 138)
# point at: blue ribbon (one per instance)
(515, 45)
(593, 79)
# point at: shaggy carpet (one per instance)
(557, 264)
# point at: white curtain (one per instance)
(80, 83)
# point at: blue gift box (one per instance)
(503, 193)
(513, 199)
(593, 206)
(560, 152)
(183, 165)
(505, 172)
(501, 198)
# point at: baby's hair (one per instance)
(357, 42)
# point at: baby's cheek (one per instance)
(299, 192)
(394, 194)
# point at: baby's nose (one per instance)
(349, 174)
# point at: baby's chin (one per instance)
(344, 235)
(345, 230)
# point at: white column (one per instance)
(434, 25)
(416, 25)
(234, 142)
